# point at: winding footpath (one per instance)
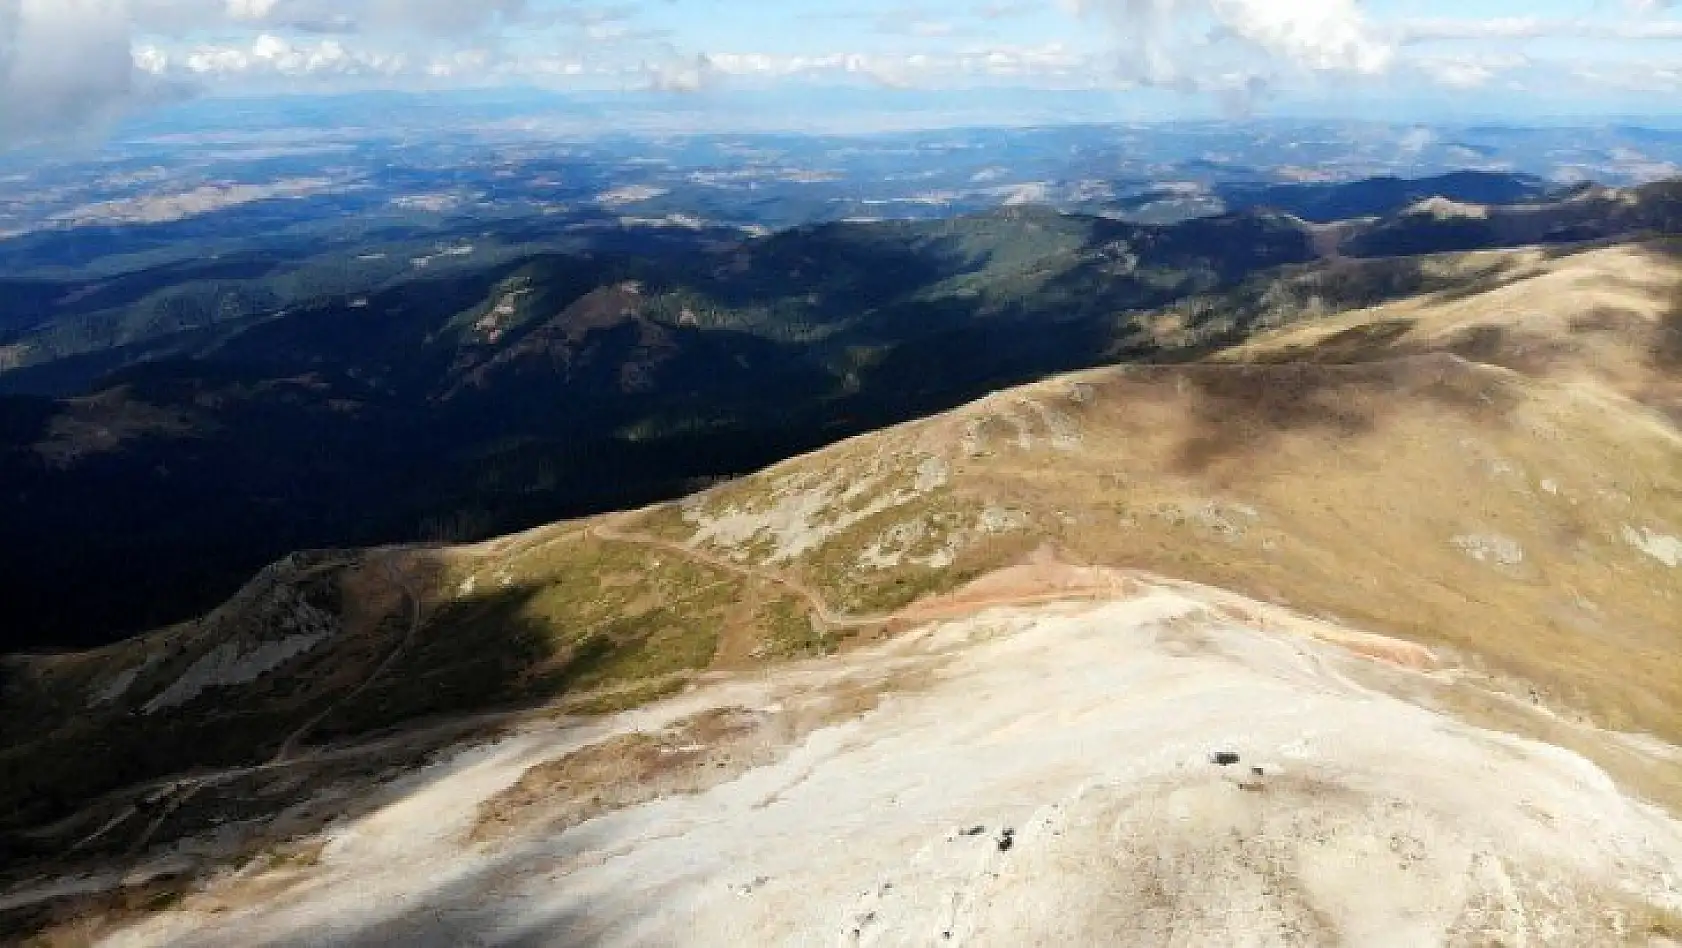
(820, 608)
(181, 791)
(289, 747)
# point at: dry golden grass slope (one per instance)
(1493, 472)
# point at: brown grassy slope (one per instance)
(1478, 468)
(393, 637)
(1610, 315)
(1472, 471)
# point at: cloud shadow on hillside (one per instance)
(1242, 411)
(1342, 385)
(1666, 349)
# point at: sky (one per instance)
(69, 64)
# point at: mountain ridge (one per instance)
(1268, 469)
(426, 410)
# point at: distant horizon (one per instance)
(899, 111)
(75, 68)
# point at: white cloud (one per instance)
(66, 63)
(270, 55)
(1008, 9)
(1240, 48)
(450, 18)
(1504, 28)
(963, 66)
(63, 64)
(1649, 30)
(1416, 140)
(327, 45)
(468, 62)
(683, 75)
(1236, 48)
(251, 9)
(69, 64)
(1314, 34)
(1640, 77)
(1422, 31)
(1457, 74)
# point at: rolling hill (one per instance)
(487, 399)
(459, 407)
(1403, 534)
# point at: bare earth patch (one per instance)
(1179, 765)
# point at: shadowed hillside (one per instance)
(459, 406)
(1487, 469)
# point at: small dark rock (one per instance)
(975, 831)
(1258, 771)
(1005, 842)
(1224, 758)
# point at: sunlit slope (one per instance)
(1175, 765)
(1529, 523)
(1496, 474)
(1610, 315)
(1489, 471)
